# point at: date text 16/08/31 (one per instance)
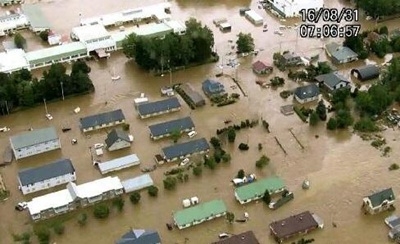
(329, 15)
(328, 31)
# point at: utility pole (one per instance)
(62, 90)
(45, 105)
(8, 112)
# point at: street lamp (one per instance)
(62, 90)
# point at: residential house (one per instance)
(137, 183)
(74, 196)
(212, 88)
(34, 142)
(256, 190)
(103, 120)
(333, 81)
(46, 176)
(291, 59)
(157, 108)
(374, 37)
(260, 68)
(379, 201)
(165, 129)
(289, 9)
(308, 93)
(118, 163)
(367, 72)
(186, 149)
(299, 224)
(191, 96)
(199, 213)
(140, 237)
(118, 139)
(340, 54)
(247, 237)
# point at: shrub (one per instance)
(365, 125)
(153, 191)
(44, 35)
(59, 228)
(260, 147)
(215, 142)
(314, 119)
(197, 171)
(226, 158)
(169, 183)
(262, 162)
(43, 234)
(186, 177)
(125, 127)
(23, 238)
(135, 197)
(231, 134)
(299, 113)
(240, 174)
(210, 162)
(119, 203)
(243, 147)
(82, 219)
(332, 124)
(267, 197)
(101, 211)
(217, 155)
(394, 167)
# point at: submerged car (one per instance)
(21, 206)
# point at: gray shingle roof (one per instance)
(33, 137)
(169, 126)
(103, 118)
(116, 134)
(331, 79)
(185, 148)
(378, 197)
(44, 172)
(158, 106)
(308, 91)
(140, 237)
(339, 52)
(247, 237)
(367, 72)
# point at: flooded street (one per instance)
(340, 166)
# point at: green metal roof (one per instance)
(55, 53)
(199, 212)
(35, 16)
(258, 188)
(378, 197)
(33, 137)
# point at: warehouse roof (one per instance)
(182, 149)
(103, 118)
(33, 137)
(56, 52)
(258, 188)
(169, 126)
(158, 106)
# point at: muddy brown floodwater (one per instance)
(341, 167)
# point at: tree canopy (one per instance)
(245, 43)
(152, 53)
(379, 8)
(20, 89)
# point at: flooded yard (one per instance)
(341, 167)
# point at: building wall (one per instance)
(61, 60)
(36, 149)
(159, 113)
(119, 145)
(302, 101)
(201, 221)
(374, 210)
(185, 156)
(46, 184)
(103, 126)
(169, 134)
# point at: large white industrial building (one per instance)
(91, 37)
(291, 8)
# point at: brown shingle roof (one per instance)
(260, 66)
(247, 237)
(293, 225)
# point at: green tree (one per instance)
(135, 197)
(267, 197)
(26, 95)
(19, 41)
(169, 183)
(82, 219)
(240, 174)
(375, 100)
(230, 217)
(152, 191)
(210, 162)
(321, 110)
(43, 234)
(202, 38)
(175, 135)
(59, 228)
(344, 119)
(231, 134)
(226, 158)
(215, 142)
(101, 211)
(262, 162)
(332, 124)
(44, 35)
(119, 203)
(245, 43)
(365, 124)
(314, 118)
(198, 170)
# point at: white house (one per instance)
(102, 120)
(379, 201)
(119, 163)
(137, 183)
(118, 139)
(291, 8)
(34, 142)
(12, 22)
(46, 176)
(96, 39)
(74, 196)
(13, 60)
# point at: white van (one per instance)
(192, 134)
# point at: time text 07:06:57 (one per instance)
(328, 30)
